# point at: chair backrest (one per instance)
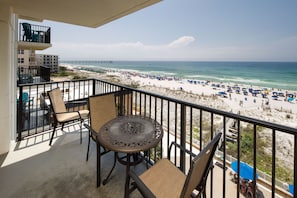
(27, 30)
(102, 109)
(201, 164)
(25, 96)
(123, 100)
(56, 99)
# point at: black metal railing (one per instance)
(34, 33)
(188, 124)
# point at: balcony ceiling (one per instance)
(90, 13)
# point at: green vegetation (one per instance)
(206, 127)
(77, 77)
(155, 153)
(63, 72)
(264, 160)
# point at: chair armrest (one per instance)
(75, 104)
(143, 189)
(181, 148)
(94, 133)
(68, 112)
(78, 102)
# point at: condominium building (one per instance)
(28, 59)
(51, 61)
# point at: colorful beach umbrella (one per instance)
(246, 171)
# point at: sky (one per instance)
(191, 30)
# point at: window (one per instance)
(20, 60)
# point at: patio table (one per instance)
(130, 134)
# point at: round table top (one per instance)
(130, 134)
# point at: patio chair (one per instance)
(28, 33)
(26, 100)
(123, 100)
(61, 115)
(164, 179)
(102, 109)
(25, 105)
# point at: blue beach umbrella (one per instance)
(246, 171)
(291, 189)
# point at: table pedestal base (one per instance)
(137, 159)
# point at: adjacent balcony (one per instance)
(35, 169)
(33, 74)
(34, 37)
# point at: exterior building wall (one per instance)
(26, 58)
(51, 61)
(8, 32)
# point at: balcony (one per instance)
(185, 123)
(34, 74)
(34, 37)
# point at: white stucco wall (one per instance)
(7, 77)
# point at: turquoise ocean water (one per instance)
(279, 75)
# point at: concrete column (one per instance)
(7, 77)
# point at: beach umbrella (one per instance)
(291, 189)
(246, 171)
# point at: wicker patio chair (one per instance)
(61, 115)
(164, 179)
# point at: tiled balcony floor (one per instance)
(34, 169)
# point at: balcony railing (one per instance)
(34, 74)
(34, 33)
(188, 124)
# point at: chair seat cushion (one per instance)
(163, 183)
(69, 116)
(84, 114)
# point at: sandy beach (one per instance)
(272, 110)
(207, 93)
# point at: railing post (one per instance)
(20, 113)
(182, 136)
(295, 164)
(94, 87)
(121, 107)
(20, 32)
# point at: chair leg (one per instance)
(98, 165)
(114, 163)
(87, 158)
(204, 193)
(81, 131)
(55, 126)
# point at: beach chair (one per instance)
(61, 115)
(164, 179)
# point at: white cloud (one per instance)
(182, 41)
(123, 50)
(178, 49)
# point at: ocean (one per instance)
(277, 75)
